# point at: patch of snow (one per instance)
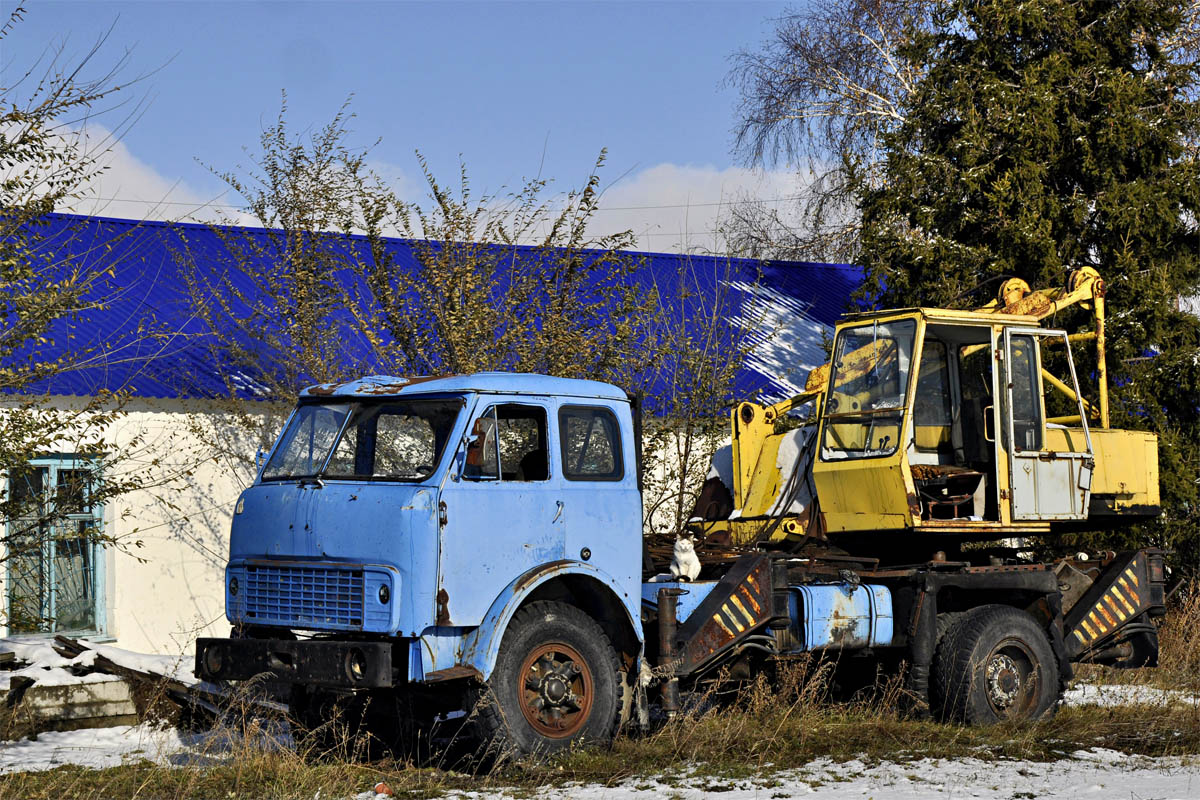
(178, 667)
(1093, 773)
(721, 467)
(98, 748)
(45, 666)
(1092, 694)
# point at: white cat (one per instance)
(685, 566)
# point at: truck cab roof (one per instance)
(479, 382)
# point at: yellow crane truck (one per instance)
(933, 433)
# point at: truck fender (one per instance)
(481, 646)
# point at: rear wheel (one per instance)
(555, 683)
(995, 663)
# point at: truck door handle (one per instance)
(558, 512)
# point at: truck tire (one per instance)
(994, 663)
(555, 684)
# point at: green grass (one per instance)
(769, 729)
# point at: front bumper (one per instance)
(324, 662)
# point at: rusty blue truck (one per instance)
(437, 545)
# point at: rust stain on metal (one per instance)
(552, 568)
(372, 388)
(1031, 304)
(456, 672)
(443, 607)
(1006, 568)
(914, 505)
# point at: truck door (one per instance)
(1046, 484)
(501, 508)
(602, 507)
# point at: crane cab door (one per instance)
(1045, 484)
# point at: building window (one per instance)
(54, 563)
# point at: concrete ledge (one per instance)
(96, 704)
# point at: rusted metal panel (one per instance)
(737, 606)
(443, 607)
(1126, 590)
(457, 672)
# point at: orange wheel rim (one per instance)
(556, 690)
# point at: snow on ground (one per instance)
(110, 747)
(1089, 774)
(98, 748)
(47, 667)
(1104, 694)
(1086, 774)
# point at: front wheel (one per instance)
(555, 683)
(995, 663)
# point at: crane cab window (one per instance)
(865, 406)
(1026, 394)
(508, 443)
(932, 416)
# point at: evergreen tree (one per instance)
(1045, 136)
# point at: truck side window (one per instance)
(591, 444)
(509, 443)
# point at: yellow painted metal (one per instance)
(864, 495)
(930, 437)
(878, 494)
(1126, 463)
(758, 480)
(875, 493)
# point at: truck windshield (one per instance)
(865, 409)
(386, 440)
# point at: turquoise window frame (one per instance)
(48, 598)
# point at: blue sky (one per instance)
(512, 87)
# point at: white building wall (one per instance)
(165, 575)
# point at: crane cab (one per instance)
(966, 422)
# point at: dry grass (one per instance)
(767, 727)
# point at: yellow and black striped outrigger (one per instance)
(1119, 603)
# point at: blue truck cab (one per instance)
(400, 528)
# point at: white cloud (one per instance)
(672, 208)
(130, 188)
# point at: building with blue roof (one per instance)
(160, 596)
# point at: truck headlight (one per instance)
(233, 586)
(214, 660)
(385, 594)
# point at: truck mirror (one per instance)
(479, 444)
(475, 442)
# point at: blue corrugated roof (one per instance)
(786, 308)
